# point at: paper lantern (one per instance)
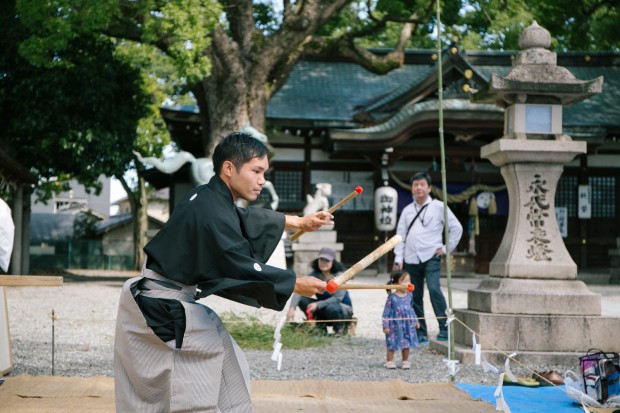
(386, 205)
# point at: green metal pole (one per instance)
(444, 187)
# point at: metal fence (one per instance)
(86, 254)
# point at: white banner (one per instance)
(584, 210)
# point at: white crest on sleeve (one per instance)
(257, 267)
(193, 197)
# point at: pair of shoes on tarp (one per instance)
(547, 378)
(422, 339)
(521, 381)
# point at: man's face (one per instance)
(249, 181)
(420, 190)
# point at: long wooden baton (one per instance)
(333, 285)
(358, 190)
(396, 287)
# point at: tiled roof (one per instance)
(335, 91)
(330, 94)
(601, 109)
(319, 92)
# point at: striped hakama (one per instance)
(208, 374)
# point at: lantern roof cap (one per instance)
(536, 77)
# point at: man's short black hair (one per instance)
(238, 148)
(421, 175)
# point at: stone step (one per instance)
(537, 333)
(466, 356)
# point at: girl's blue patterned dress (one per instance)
(399, 317)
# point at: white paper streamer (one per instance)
(276, 351)
(476, 348)
(487, 367)
(279, 361)
(452, 366)
(277, 332)
(500, 403)
(507, 368)
(450, 316)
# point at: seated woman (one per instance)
(325, 306)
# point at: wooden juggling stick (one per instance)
(396, 287)
(383, 249)
(358, 190)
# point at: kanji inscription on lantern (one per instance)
(387, 208)
(538, 213)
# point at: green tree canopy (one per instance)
(233, 55)
(74, 120)
(575, 25)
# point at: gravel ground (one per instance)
(85, 309)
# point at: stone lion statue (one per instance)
(319, 201)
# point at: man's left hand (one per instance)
(310, 222)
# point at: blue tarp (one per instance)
(526, 399)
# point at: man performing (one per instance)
(421, 226)
(172, 354)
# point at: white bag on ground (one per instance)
(574, 387)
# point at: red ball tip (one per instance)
(410, 288)
(359, 189)
(332, 286)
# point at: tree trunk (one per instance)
(141, 225)
(233, 95)
(139, 219)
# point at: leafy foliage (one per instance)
(585, 25)
(75, 120)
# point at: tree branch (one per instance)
(242, 24)
(285, 46)
(345, 47)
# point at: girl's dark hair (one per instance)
(395, 277)
(238, 148)
(337, 266)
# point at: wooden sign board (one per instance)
(6, 357)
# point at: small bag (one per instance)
(601, 372)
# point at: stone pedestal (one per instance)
(307, 247)
(532, 303)
(532, 246)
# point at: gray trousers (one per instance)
(208, 374)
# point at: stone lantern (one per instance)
(532, 302)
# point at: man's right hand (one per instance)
(308, 286)
(397, 266)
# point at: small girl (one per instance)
(399, 321)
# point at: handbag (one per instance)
(601, 374)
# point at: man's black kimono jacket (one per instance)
(210, 242)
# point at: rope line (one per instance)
(481, 339)
(518, 362)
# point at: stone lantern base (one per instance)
(532, 303)
(537, 339)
